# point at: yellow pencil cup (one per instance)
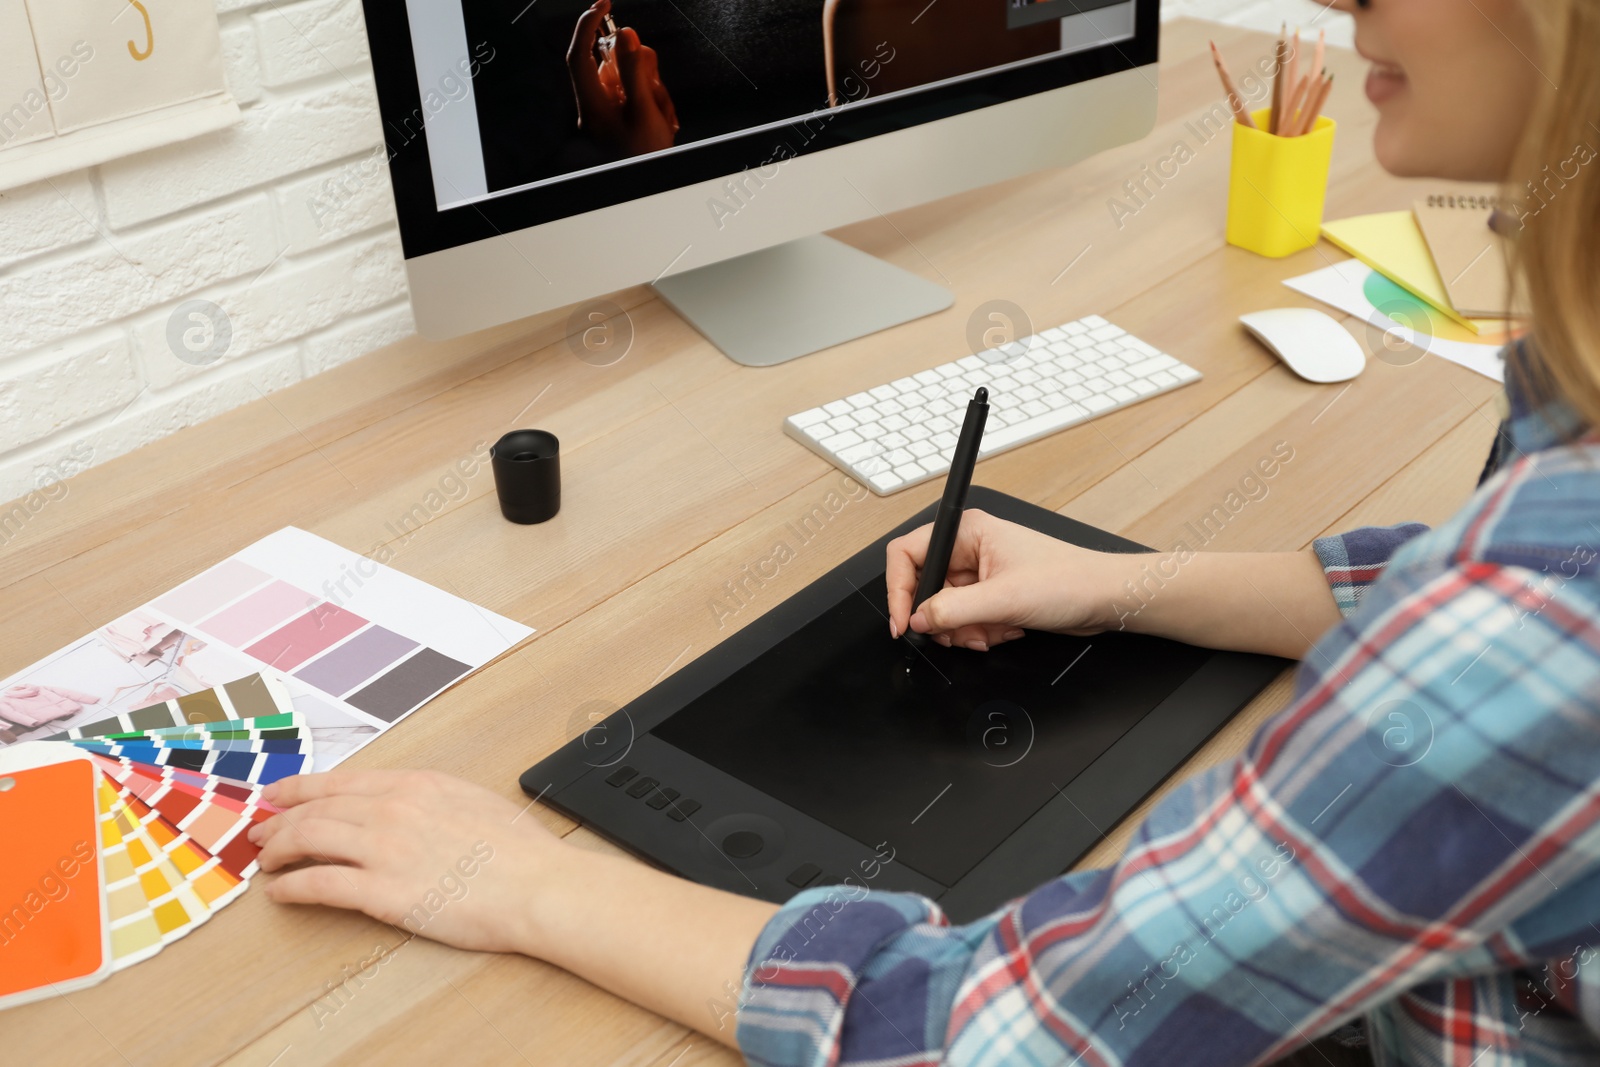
(1276, 186)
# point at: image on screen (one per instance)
(519, 94)
(942, 755)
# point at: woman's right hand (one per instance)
(1002, 578)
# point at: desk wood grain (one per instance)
(677, 478)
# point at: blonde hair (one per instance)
(1555, 176)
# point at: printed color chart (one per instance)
(379, 642)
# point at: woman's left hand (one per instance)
(423, 851)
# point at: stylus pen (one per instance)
(948, 520)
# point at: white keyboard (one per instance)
(899, 434)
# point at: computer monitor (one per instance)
(548, 152)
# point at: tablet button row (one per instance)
(679, 809)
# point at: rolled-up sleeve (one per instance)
(1352, 561)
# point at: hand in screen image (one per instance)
(622, 102)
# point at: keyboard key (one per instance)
(1093, 322)
(893, 439)
(1099, 402)
(809, 418)
(870, 430)
(1121, 394)
(883, 392)
(910, 471)
(838, 407)
(928, 377)
(1106, 332)
(1162, 377)
(662, 799)
(866, 468)
(920, 449)
(857, 453)
(840, 440)
(903, 385)
(641, 787)
(1147, 367)
(885, 481)
(898, 457)
(860, 400)
(620, 776)
(1184, 373)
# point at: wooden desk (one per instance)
(676, 477)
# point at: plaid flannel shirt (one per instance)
(1415, 840)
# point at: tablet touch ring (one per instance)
(746, 840)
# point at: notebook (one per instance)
(1391, 243)
(1470, 257)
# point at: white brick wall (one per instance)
(284, 222)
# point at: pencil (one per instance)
(1241, 114)
(1280, 55)
(1292, 85)
(1292, 106)
(1314, 109)
(1317, 57)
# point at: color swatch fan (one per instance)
(122, 835)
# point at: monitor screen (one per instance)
(943, 755)
(509, 103)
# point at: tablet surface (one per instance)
(811, 748)
(941, 752)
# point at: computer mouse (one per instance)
(1310, 343)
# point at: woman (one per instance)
(1450, 902)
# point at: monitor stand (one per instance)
(788, 301)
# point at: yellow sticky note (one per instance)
(1391, 243)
